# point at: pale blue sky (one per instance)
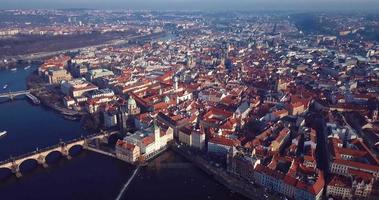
(196, 4)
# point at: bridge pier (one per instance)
(11, 96)
(42, 161)
(18, 174)
(85, 144)
(16, 170)
(104, 139)
(66, 153)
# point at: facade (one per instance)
(241, 164)
(192, 137)
(127, 151)
(343, 162)
(110, 118)
(198, 139)
(349, 187)
(56, 76)
(339, 187)
(221, 145)
(77, 87)
(150, 140)
(185, 136)
(289, 185)
(133, 108)
(101, 93)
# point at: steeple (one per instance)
(157, 134)
(176, 82)
(155, 125)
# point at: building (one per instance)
(57, 62)
(100, 93)
(280, 140)
(198, 139)
(351, 187)
(133, 108)
(150, 140)
(241, 163)
(110, 117)
(357, 159)
(56, 76)
(97, 73)
(339, 187)
(77, 87)
(185, 136)
(127, 151)
(298, 183)
(296, 108)
(221, 145)
(79, 71)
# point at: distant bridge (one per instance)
(12, 95)
(13, 164)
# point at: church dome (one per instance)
(131, 102)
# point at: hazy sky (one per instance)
(197, 4)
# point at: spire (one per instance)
(155, 126)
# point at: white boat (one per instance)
(5, 86)
(2, 133)
(14, 69)
(27, 67)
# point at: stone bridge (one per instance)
(63, 148)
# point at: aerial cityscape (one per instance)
(169, 99)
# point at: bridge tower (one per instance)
(64, 151)
(11, 97)
(42, 160)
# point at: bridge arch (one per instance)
(39, 156)
(49, 155)
(22, 163)
(71, 149)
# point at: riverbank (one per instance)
(232, 182)
(49, 96)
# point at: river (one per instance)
(87, 175)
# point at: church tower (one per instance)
(133, 109)
(157, 133)
(176, 83)
(375, 114)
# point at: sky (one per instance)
(197, 4)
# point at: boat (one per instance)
(2, 133)
(27, 67)
(14, 69)
(5, 86)
(71, 118)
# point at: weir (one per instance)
(122, 192)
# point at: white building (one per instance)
(77, 87)
(97, 73)
(191, 137)
(150, 140)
